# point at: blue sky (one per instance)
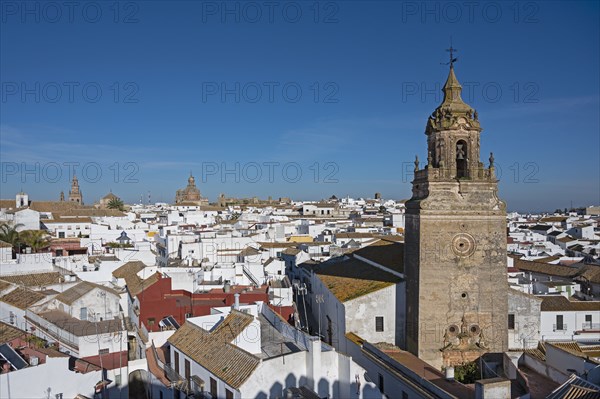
(292, 98)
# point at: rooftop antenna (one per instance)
(149, 197)
(453, 59)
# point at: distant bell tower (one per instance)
(455, 242)
(75, 194)
(22, 200)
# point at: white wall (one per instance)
(364, 309)
(28, 263)
(573, 321)
(29, 218)
(50, 379)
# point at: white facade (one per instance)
(563, 325)
(28, 218)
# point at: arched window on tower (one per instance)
(462, 160)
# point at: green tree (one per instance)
(35, 239)
(116, 203)
(467, 373)
(9, 234)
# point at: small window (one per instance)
(379, 323)
(588, 318)
(404, 395)
(559, 322)
(104, 351)
(151, 321)
(381, 383)
(228, 394)
(511, 321)
(213, 387)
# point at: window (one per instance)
(559, 322)
(104, 351)
(381, 383)
(151, 321)
(228, 394)
(61, 234)
(187, 370)
(83, 313)
(588, 318)
(511, 321)
(176, 362)
(379, 323)
(213, 387)
(404, 395)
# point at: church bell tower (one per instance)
(455, 242)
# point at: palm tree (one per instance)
(36, 239)
(116, 203)
(9, 234)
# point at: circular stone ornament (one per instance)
(463, 244)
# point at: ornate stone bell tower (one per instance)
(75, 194)
(455, 242)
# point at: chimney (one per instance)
(236, 304)
(450, 373)
(314, 362)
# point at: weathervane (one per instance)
(453, 59)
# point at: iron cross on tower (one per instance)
(451, 50)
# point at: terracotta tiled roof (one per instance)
(128, 269)
(77, 291)
(77, 327)
(53, 206)
(576, 388)
(67, 219)
(8, 332)
(551, 219)
(389, 254)
(545, 268)
(556, 303)
(214, 352)
(135, 284)
(5, 244)
(22, 297)
(354, 235)
(8, 203)
(154, 366)
(574, 348)
(4, 285)
(90, 212)
(35, 279)
(268, 245)
(291, 251)
(351, 278)
(591, 273)
(249, 251)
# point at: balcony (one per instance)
(588, 325)
(194, 388)
(559, 327)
